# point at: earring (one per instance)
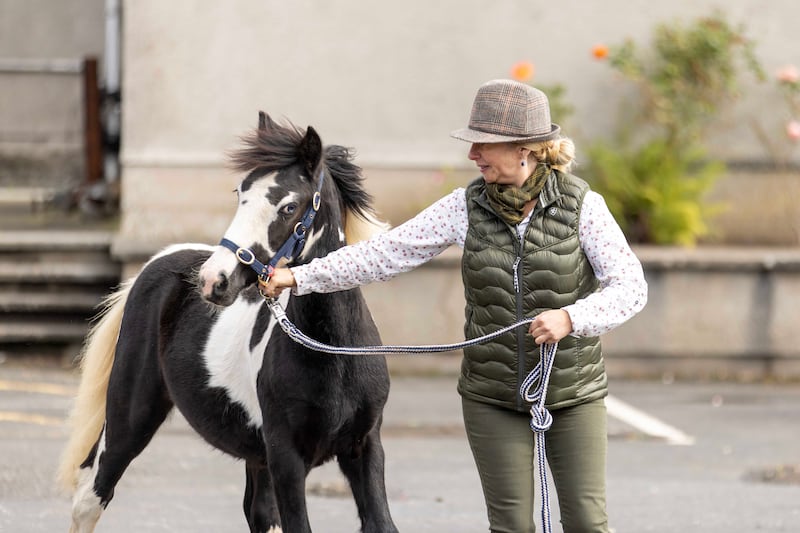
(523, 163)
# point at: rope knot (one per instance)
(541, 419)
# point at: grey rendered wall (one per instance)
(41, 114)
(391, 79)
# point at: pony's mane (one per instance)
(361, 221)
(274, 146)
(268, 148)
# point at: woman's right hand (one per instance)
(550, 326)
(280, 279)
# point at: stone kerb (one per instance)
(714, 312)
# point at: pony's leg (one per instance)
(289, 478)
(260, 507)
(133, 414)
(86, 505)
(365, 473)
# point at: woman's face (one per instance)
(500, 162)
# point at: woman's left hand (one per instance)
(550, 326)
(278, 280)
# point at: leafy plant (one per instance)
(653, 195)
(654, 170)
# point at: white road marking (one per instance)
(646, 423)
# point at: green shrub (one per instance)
(654, 170)
(654, 195)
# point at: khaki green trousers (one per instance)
(502, 444)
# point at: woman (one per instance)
(536, 242)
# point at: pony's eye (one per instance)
(289, 209)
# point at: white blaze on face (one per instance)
(250, 224)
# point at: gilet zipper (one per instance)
(520, 333)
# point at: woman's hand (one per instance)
(280, 279)
(550, 326)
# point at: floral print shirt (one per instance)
(622, 293)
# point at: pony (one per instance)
(192, 331)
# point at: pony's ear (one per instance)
(262, 120)
(309, 152)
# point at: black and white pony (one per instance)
(192, 331)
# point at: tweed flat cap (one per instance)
(508, 111)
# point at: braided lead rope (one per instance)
(541, 419)
(301, 338)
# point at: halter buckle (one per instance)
(239, 255)
(300, 230)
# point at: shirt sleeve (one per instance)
(623, 289)
(382, 257)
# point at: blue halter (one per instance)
(291, 248)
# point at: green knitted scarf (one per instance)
(508, 201)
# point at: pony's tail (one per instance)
(89, 411)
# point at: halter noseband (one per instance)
(290, 249)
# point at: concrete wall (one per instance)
(712, 313)
(719, 313)
(41, 115)
(756, 208)
(390, 79)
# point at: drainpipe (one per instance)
(112, 83)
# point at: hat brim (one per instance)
(475, 136)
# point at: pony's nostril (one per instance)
(222, 284)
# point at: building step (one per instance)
(58, 272)
(52, 283)
(25, 197)
(85, 300)
(34, 331)
(55, 240)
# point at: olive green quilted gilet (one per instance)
(506, 280)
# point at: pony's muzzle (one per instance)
(215, 289)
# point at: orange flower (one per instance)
(600, 51)
(522, 71)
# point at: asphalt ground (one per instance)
(712, 457)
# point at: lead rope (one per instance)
(301, 338)
(541, 419)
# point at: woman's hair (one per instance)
(558, 153)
